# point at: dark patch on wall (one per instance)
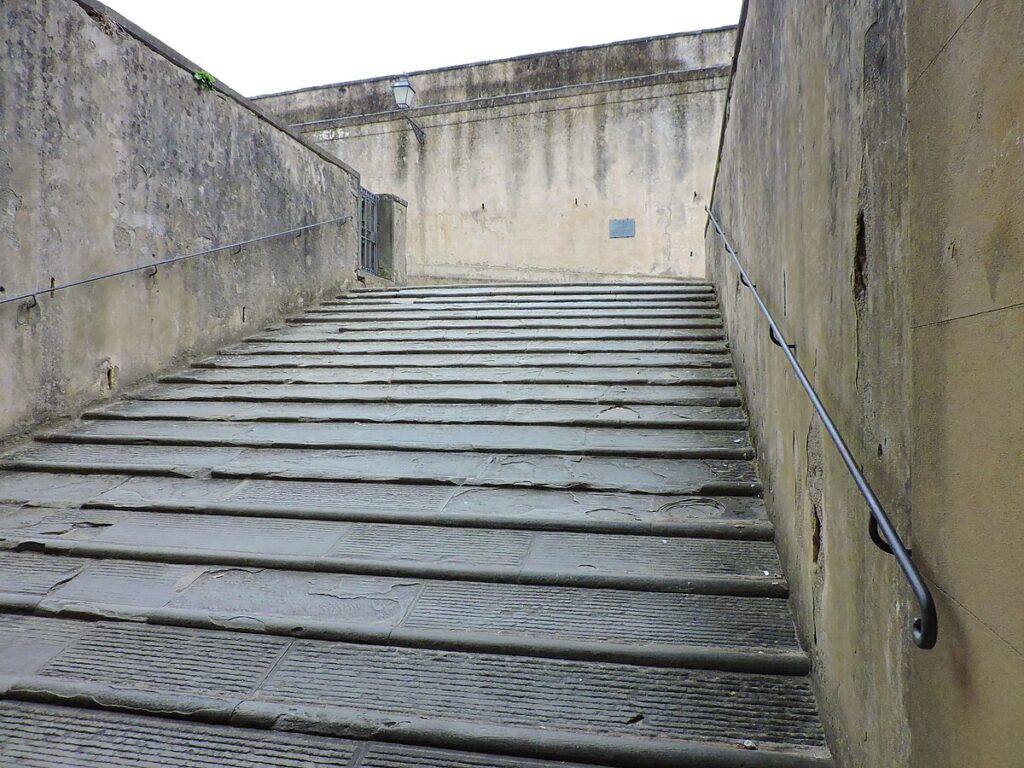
(860, 261)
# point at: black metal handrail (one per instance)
(925, 627)
(155, 264)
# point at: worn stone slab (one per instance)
(523, 306)
(568, 379)
(508, 438)
(580, 415)
(414, 611)
(307, 332)
(409, 694)
(50, 736)
(652, 313)
(512, 323)
(519, 508)
(524, 344)
(398, 298)
(631, 475)
(541, 289)
(652, 563)
(476, 360)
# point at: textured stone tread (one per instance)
(671, 385)
(509, 324)
(571, 414)
(477, 360)
(541, 289)
(305, 332)
(481, 691)
(523, 508)
(598, 473)
(588, 441)
(524, 344)
(248, 597)
(47, 736)
(523, 306)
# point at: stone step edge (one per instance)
(399, 351)
(715, 488)
(692, 323)
(717, 453)
(725, 382)
(759, 529)
(793, 663)
(341, 722)
(338, 335)
(725, 362)
(693, 584)
(724, 425)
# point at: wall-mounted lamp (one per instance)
(403, 92)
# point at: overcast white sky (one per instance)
(258, 46)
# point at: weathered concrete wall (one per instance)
(527, 159)
(870, 176)
(811, 188)
(110, 157)
(966, 91)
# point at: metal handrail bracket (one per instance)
(153, 265)
(925, 626)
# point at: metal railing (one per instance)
(369, 251)
(154, 265)
(925, 626)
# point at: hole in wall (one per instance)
(860, 262)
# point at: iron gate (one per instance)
(369, 255)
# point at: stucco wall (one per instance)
(110, 157)
(527, 159)
(811, 189)
(870, 176)
(966, 91)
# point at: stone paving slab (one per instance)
(588, 323)
(76, 503)
(541, 289)
(340, 346)
(476, 360)
(642, 627)
(580, 415)
(651, 563)
(367, 316)
(455, 698)
(575, 385)
(523, 305)
(307, 332)
(594, 473)
(562, 299)
(506, 438)
(49, 736)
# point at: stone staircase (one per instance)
(475, 527)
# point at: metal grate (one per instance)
(369, 253)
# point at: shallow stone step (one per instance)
(543, 289)
(51, 736)
(522, 307)
(512, 323)
(175, 407)
(344, 347)
(578, 381)
(574, 300)
(739, 633)
(289, 333)
(606, 561)
(479, 506)
(509, 438)
(597, 473)
(549, 708)
(595, 315)
(476, 360)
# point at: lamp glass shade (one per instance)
(403, 92)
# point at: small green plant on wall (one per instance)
(205, 80)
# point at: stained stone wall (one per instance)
(111, 157)
(869, 176)
(527, 160)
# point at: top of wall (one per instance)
(503, 77)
